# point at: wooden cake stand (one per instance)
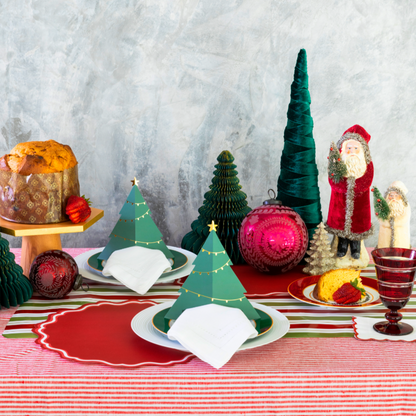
(41, 237)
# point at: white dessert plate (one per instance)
(302, 289)
(89, 273)
(142, 325)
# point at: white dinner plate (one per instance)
(89, 273)
(143, 327)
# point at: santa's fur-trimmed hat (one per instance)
(400, 188)
(359, 134)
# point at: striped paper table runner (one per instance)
(305, 320)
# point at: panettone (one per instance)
(36, 180)
(38, 157)
(331, 281)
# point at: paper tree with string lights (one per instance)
(135, 227)
(212, 281)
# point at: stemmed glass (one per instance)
(395, 269)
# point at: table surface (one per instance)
(299, 376)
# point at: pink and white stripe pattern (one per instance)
(300, 394)
(288, 377)
(301, 374)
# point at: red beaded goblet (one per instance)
(395, 269)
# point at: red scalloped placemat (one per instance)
(101, 333)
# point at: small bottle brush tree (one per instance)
(320, 259)
(298, 180)
(381, 207)
(225, 204)
(337, 169)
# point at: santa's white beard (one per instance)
(356, 165)
(397, 207)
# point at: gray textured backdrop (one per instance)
(157, 89)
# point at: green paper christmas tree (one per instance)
(337, 169)
(135, 227)
(225, 204)
(15, 288)
(298, 180)
(381, 207)
(212, 281)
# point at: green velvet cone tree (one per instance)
(135, 228)
(225, 204)
(298, 181)
(212, 281)
(15, 288)
(381, 207)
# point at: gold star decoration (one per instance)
(134, 182)
(212, 226)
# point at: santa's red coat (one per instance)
(351, 197)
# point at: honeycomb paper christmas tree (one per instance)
(320, 259)
(212, 281)
(225, 204)
(15, 288)
(135, 227)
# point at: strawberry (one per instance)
(78, 208)
(348, 293)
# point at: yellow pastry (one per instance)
(331, 281)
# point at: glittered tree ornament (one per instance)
(381, 207)
(212, 281)
(54, 274)
(337, 169)
(15, 288)
(135, 227)
(225, 204)
(273, 238)
(320, 257)
(298, 180)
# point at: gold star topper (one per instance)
(212, 226)
(134, 182)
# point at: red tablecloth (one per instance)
(292, 376)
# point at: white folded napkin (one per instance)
(138, 268)
(363, 330)
(212, 332)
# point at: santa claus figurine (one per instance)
(395, 230)
(349, 216)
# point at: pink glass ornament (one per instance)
(273, 238)
(54, 274)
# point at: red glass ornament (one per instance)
(54, 274)
(273, 238)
